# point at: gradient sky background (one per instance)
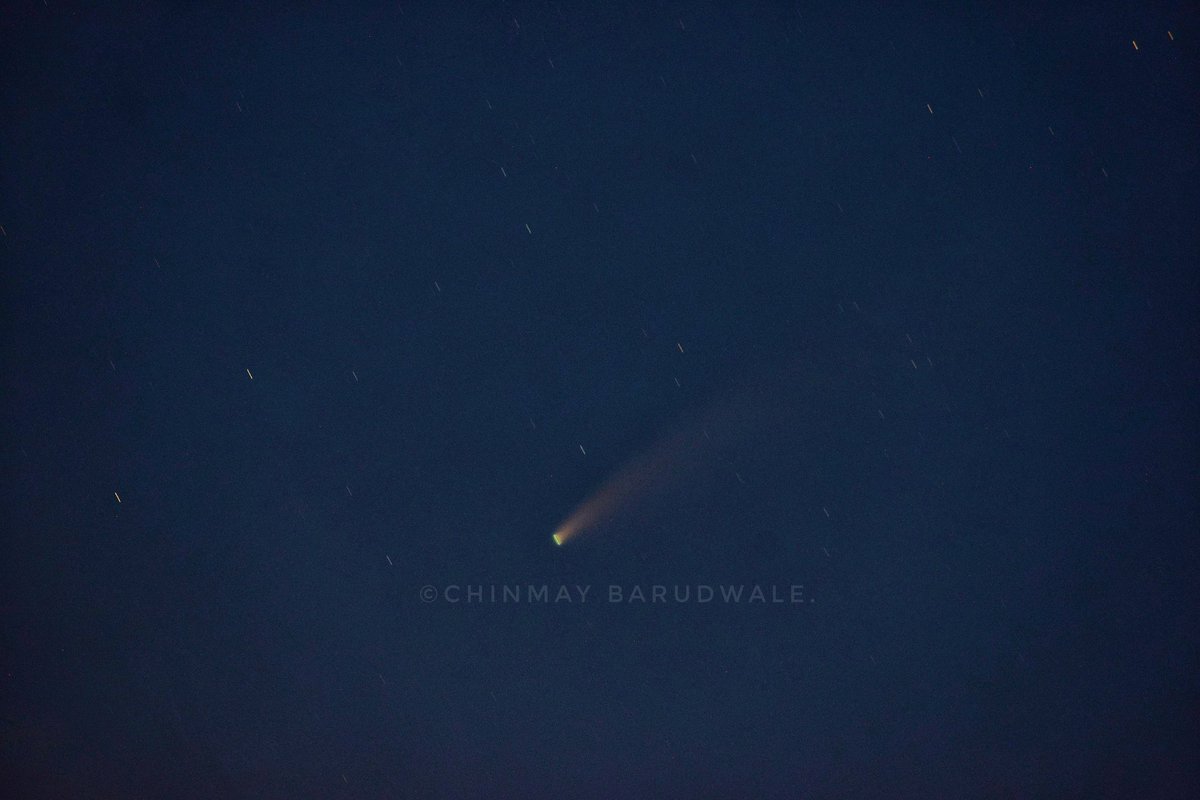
(965, 341)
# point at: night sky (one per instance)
(318, 318)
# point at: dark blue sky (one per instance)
(914, 289)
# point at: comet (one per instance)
(647, 475)
(701, 460)
(677, 469)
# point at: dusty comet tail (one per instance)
(677, 458)
(697, 458)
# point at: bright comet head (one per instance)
(558, 538)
